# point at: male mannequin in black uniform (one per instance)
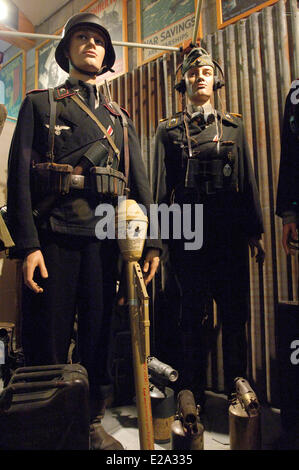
(287, 204)
(65, 266)
(201, 157)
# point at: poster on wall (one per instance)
(230, 11)
(164, 22)
(113, 16)
(47, 71)
(12, 84)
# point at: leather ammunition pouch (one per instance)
(52, 178)
(49, 177)
(107, 181)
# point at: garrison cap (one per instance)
(197, 57)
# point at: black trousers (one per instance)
(218, 270)
(82, 280)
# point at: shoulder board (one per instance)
(62, 92)
(36, 91)
(172, 117)
(113, 111)
(236, 115)
(231, 118)
(173, 121)
(125, 111)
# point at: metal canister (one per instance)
(244, 418)
(182, 440)
(163, 411)
(187, 430)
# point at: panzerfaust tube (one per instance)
(143, 401)
(131, 223)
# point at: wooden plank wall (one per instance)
(260, 58)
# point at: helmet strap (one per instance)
(90, 74)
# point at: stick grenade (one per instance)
(131, 226)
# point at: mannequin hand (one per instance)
(289, 230)
(150, 265)
(31, 262)
(253, 244)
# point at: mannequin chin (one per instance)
(193, 95)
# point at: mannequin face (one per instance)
(86, 50)
(199, 84)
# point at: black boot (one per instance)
(192, 372)
(100, 439)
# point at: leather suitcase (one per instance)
(45, 408)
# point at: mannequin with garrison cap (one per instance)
(202, 158)
(66, 268)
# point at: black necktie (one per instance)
(90, 98)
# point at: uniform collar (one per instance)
(203, 115)
(194, 111)
(207, 110)
(81, 88)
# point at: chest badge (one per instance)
(58, 129)
(227, 170)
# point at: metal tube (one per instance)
(232, 73)
(165, 77)
(115, 43)
(197, 19)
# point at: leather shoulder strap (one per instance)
(126, 138)
(51, 135)
(85, 108)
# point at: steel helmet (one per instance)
(75, 22)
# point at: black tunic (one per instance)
(75, 132)
(287, 203)
(171, 156)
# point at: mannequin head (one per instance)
(86, 47)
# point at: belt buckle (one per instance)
(77, 181)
